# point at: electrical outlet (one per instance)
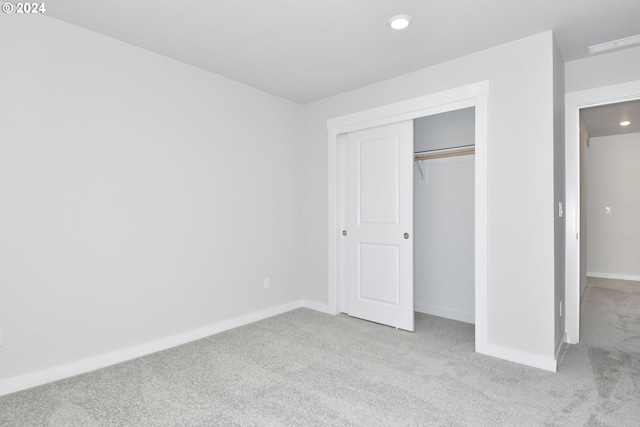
(267, 283)
(1, 337)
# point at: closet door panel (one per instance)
(379, 182)
(379, 273)
(380, 225)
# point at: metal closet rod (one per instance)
(445, 152)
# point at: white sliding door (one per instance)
(379, 231)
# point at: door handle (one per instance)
(406, 236)
(344, 232)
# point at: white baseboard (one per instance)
(613, 276)
(561, 347)
(521, 357)
(317, 306)
(446, 313)
(22, 382)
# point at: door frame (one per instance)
(472, 95)
(574, 102)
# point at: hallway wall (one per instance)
(613, 181)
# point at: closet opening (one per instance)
(444, 215)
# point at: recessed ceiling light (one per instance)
(615, 44)
(625, 123)
(399, 22)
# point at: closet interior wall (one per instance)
(444, 191)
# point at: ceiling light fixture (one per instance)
(625, 123)
(399, 22)
(615, 44)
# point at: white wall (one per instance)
(559, 193)
(613, 180)
(521, 282)
(445, 130)
(602, 70)
(444, 269)
(140, 197)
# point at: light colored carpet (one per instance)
(611, 315)
(305, 368)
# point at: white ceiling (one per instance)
(304, 50)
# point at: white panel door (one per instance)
(379, 228)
